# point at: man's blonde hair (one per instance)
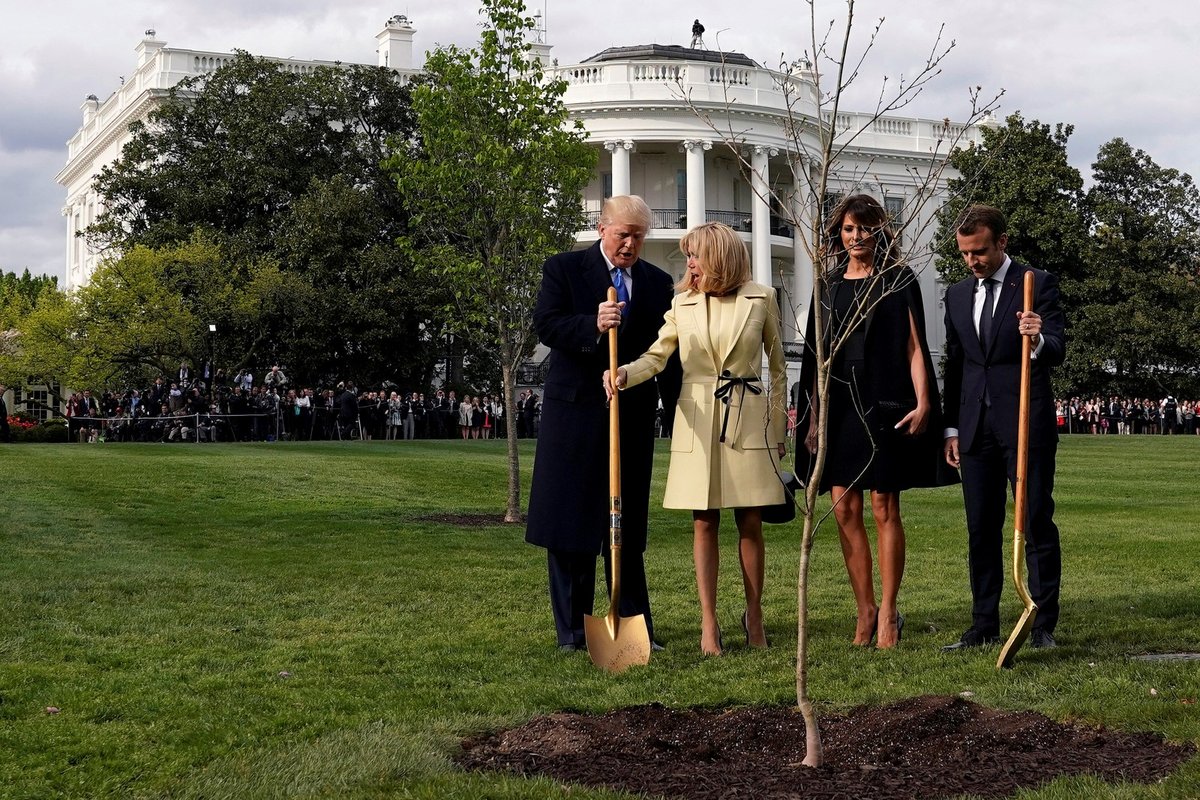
(627, 208)
(722, 253)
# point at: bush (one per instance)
(51, 431)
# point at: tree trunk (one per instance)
(814, 755)
(512, 509)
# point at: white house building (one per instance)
(701, 135)
(105, 128)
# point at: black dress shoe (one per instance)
(1042, 640)
(655, 647)
(972, 637)
(571, 648)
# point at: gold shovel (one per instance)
(1021, 631)
(615, 643)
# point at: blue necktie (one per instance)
(622, 290)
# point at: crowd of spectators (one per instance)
(1120, 415)
(209, 406)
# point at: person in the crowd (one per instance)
(730, 423)
(488, 417)
(5, 434)
(420, 415)
(464, 416)
(476, 417)
(276, 380)
(395, 415)
(985, 328)
(884, 431)
(569, 495)
(530, 412)
(347, 405)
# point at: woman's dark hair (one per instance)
(867, 212)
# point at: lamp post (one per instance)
(212, 358)
(449, 361)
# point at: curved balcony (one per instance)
(676, 219)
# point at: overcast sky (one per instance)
(1109, 67)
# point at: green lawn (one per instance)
(279, 620)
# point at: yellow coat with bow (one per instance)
(728, 341)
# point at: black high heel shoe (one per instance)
(746, 627)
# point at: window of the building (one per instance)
(894, 206)
(606, 180)
(829, 204)
(681, 189)
(37, 405)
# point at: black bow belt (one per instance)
(725, 388)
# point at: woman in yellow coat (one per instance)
(729, 423)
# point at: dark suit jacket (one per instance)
(970, 372)
(347, 405)
(568, 499)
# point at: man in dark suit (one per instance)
(982, 381)
(568, 501)
(347, 402)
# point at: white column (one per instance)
(696, 211)
(70, 215)
(620, 165)
(760, 213)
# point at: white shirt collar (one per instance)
(612, 266)
(999, 274)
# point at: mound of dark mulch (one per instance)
(923, 747)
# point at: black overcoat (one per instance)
(568, 499)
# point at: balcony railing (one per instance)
(660, 218)
(669, 218)
(675, 219)
(738, 220)
(532, 373)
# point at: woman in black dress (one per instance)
(884, 430)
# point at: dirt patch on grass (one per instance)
(923, 747)
(464, 520)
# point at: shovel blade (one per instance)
(1020, 633)
(616, 643)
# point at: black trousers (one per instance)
(573, 590)
(988, 472)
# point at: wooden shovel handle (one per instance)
(1023, 413)
(614, 417)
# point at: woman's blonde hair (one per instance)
(723, 254)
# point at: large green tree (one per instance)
(1021, 168)
(497, 187)
(32, 309)
(1137, 328)
(233, 151)
(1126, 252)
(282, 168)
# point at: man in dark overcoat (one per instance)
(568, 501)
(985, 325)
